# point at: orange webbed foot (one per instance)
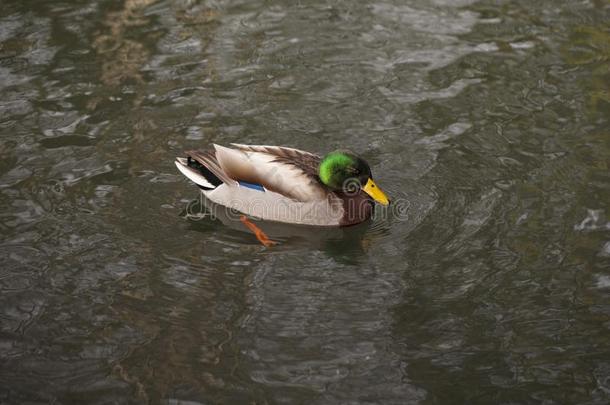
(260, 235)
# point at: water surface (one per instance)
(490, 118)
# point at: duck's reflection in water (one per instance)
(342, 243)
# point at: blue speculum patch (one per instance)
(253, 186)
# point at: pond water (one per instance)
(489, 120)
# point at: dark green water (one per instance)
(490, 118)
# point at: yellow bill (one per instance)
(375, 192)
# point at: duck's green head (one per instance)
(341, 170)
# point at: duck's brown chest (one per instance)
(356, 208)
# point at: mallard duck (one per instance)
(286, 185)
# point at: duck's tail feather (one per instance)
(203, 169)
(194, 174)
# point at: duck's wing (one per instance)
(287, 171)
